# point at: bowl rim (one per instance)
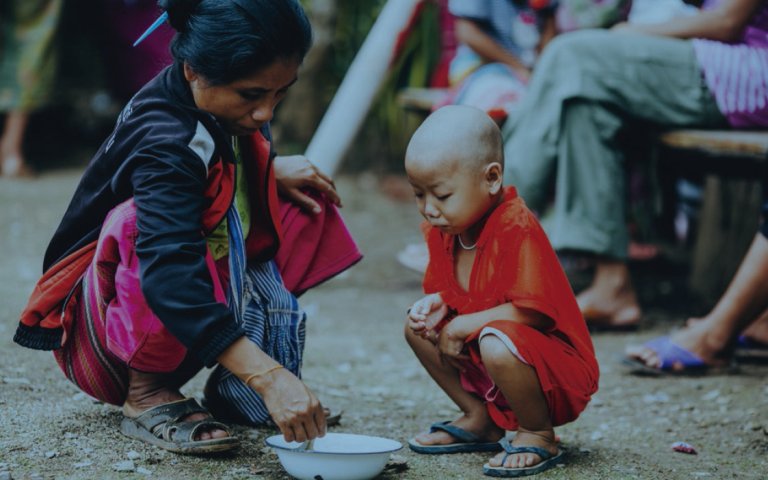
(314, 452)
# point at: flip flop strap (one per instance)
(511, 450)
(670, 354)
(456, 432)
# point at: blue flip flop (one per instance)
(748, 349)
(672, 355)
(548, 460)
(466, 442)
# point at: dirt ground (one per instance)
(357, 360)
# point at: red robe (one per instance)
(515, 264)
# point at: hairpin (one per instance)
(162, 18)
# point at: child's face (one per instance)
(453, 198)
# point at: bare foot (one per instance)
(617, 310)
(483, 428)
(524, 438)
(148, 390)
(15, 167)
(610, 301)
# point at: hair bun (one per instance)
(179, 12)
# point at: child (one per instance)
(499, 330)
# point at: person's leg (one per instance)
(12, 161)
(475, 419)
(585, 88)
(522, 390)
(745, 302)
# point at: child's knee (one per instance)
(496, 355)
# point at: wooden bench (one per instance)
(733, 163)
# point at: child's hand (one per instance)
(451, 344)
(426, 313)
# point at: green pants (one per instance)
(586, 87)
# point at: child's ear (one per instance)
(494, 177)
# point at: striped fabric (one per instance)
(236, 263)
(274, 322)
(737, 73)
(84, 358)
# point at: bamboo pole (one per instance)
(353, 99)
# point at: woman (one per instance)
(165, 259)
(697, 71)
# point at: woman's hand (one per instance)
(425, 314)
(295, 173)
(294, 408)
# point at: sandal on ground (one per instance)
(548, 460)
(466, 441)
(675, 360)
(748, 349)
(164, 426)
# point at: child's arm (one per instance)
(426, 313)
(451, 340)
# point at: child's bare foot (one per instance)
(524, 438)
(610, 301)
(483, 428)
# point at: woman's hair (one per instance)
(226, 40)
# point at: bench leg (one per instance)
(729, 218)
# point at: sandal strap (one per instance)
(510, 449)
(458, 433)
(168, 413)
(186, 431)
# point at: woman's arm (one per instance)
(725, 23)
(294, 408)
(294, 173)
(469, 33)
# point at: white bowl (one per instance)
(336, 456)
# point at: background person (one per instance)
(588, 86)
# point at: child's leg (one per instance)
(476, 419)
(520, 386)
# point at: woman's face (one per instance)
(245, 105)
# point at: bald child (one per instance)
(499, 329)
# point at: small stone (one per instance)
(16, 381)
(5, 475)
(683, 447)
(144, 471)
(50, 454)
(711, 395)
(125, 466)
(70, 435)
(133, 455)
(83, 464)
(596, 435)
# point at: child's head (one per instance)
(454, 163)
